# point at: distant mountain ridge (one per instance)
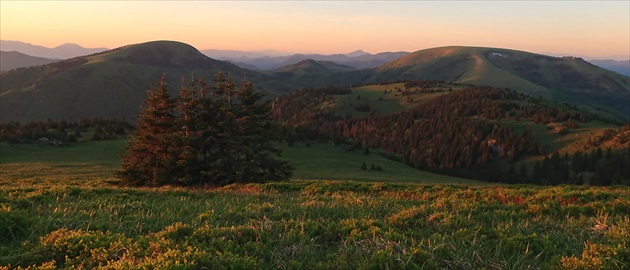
(236, 55)
(312, 66)
(64, 51)
(13, 60)
(621, 67)
(357, 59)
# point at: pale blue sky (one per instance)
(590, 29)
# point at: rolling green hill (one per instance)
(311, 73)
(312, 66)
(562, 79)
(109, 84)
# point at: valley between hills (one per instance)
(445, 158)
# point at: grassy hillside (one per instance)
(52, 222)
(387, 98)
(110, 84)
(323, 161)
(561, 79)
(317, 161)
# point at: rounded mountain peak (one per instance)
(161, 53)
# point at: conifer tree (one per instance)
(253, 133)
(189, 108)
(219, 140)
(153, 150)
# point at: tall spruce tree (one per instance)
(154, 148)
(189, 109)
(219, 140)
(254, 131)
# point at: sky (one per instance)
(588, 29)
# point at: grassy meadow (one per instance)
(384, 103)
(61, 208)
(326, 162)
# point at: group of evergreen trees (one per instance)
(596, 168)
(441, 137)
(214, 135)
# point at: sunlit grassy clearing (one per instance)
(100, 159)
(323, 161)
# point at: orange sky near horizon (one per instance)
(589, 29)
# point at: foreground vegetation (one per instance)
(49, 222)
(62, 208)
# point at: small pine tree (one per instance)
(153, 150)
(363, 166)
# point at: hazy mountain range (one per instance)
(358, 60)
(113, 83)
(621, 67)
(252, 60)
(13, 60)
(63, 51)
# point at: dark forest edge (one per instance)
(459, 134)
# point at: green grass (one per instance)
(105, 153)
(323, 161)
(344, 104)
(312, 225)
(60, 208)
(381, 102)
(102, 158)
